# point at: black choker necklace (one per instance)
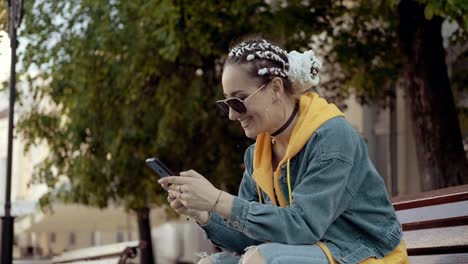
(291, 118)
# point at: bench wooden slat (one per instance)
(440, 259)
(433, 212)
(441, 215)
(453, 221)
(447, 240)
(435, 225)
(441, 196)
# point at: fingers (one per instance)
(173, 187)
(172, 196)
(190, 173)
(166, 186)
(173, 180)
(174, 202)
(178, 207)
(183, 202)
(176, 189)
(170, 200)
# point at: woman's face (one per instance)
(258, 118)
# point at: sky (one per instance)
(5, 54)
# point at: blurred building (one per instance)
(179, 242)
(400, 172)
(42, 235)
(71, 227)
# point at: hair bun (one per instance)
(303, 69)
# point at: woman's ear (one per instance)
(277, 87)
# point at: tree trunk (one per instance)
(144, 229)
(442, 160)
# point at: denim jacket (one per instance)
(338, 198)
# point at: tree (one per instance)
(3, 16)
(436, 126)
(379, 45)
(126, 80)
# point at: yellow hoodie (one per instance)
(313, 112)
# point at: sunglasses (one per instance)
(235, 103)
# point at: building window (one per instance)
(72, 239)
(52, 237)
(93, 239)
(119, 237)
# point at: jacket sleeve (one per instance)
(221, 232)
(320, 195)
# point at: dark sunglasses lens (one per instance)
(223, 106)
(237, 105)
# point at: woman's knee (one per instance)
(253, 256)
(205, 260)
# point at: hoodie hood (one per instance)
(313, 112)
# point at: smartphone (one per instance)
(159, 167)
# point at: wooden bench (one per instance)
(117, 253)
(435, 225)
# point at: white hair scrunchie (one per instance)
(303, 69)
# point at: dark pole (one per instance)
(393, 142)
(15, 14)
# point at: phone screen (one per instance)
(159, 167)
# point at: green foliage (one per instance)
(118, 83)
(365, 54)
(3, 15)
(365, 48)
(453, 9)
(3, 19)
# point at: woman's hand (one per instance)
(177, 205)
(201, 217)
(190, 190)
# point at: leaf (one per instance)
(429, 12)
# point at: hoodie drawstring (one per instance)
(288, 169)
(259, 195)
(289, 182)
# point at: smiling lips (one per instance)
(245, 122)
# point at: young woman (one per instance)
(309, 193)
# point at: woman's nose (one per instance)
(233, 115)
